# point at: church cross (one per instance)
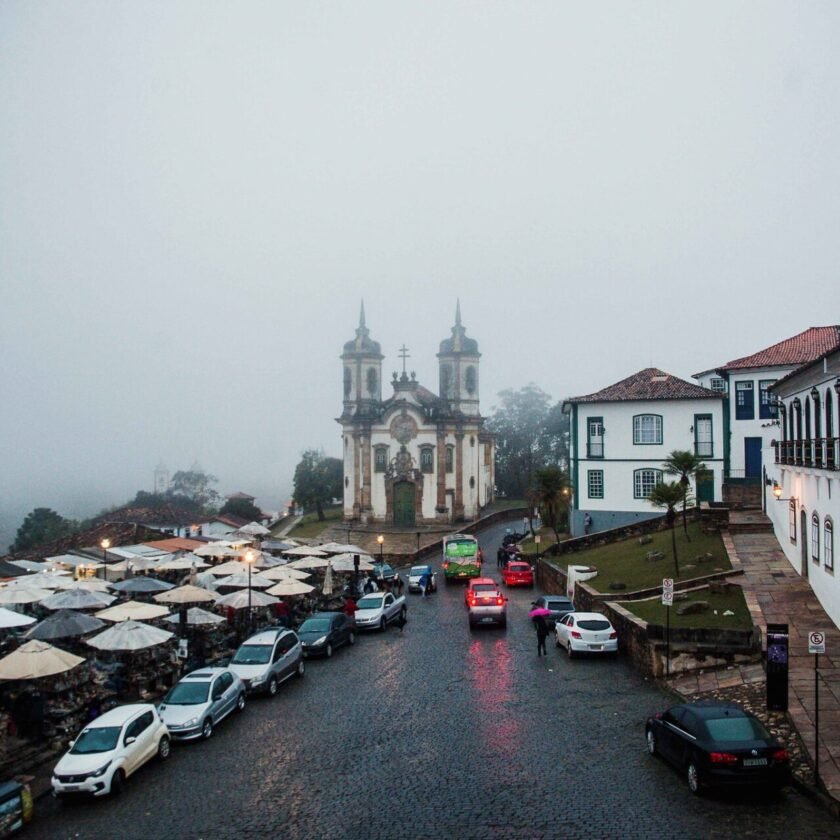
(404, 354)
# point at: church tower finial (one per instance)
(457, 312)
(362, 315)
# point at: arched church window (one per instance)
(472, 482)
(380, 458)
(472, 441)
(471, 380)
(446, 380)
(348, 382)
(372, 381)
(346, 481)
(427, 459)
(450, 458)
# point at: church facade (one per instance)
(415, 458)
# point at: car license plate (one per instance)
(488, 619)
(72, 787)
(596, 647)
(755, 762)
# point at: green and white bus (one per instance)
(461, 557)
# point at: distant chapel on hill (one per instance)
(414, 458)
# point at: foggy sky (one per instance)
(196, 196)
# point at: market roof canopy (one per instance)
(136, 610)
(186, 595)
(130, 635)
(77, 599)
(239, 600)
(195, 616)
(65, 623)
(37, 659)
(10, 618)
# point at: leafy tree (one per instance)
(552, 492)
(194, 485)
(318, 480)
(523, 443)
(41, 526)
(558, 434)
(243, 508)
(669, 494)
(686, 465)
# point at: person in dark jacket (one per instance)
(542, 634)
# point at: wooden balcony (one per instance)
(815, 453)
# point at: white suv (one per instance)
(109, 749)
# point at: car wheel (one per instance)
(570, 651)
(117, 782)
(651, 741)
(693, 777)
(328, 650)
(272, 686)
(164, 748)
(383, 624)
(556, 642)
(207, 729)
(351, 639)
(301, 669)
(240, 702)
(403, 614)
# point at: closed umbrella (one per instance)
(36, 659)
(136, 610)
(196, 616)
(245, 580)
(22, 595)
(64, 623)
(77, 599)
(186, 595)
(130, 635)
(327, 588)
(290, 587)
(239, 600)
(10, 618)
(142, 584)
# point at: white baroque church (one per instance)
(414, 458)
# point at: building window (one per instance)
(644, 481)
(380, 458)
(471, 380)
(595, 483)
(744, 401)
(718, 384)
(766, 409)
(594, 437)
(704, 445)
(427, 459)
(647, 429)
(828, 545)
(792, 520)
(450, 458)
(815, 537)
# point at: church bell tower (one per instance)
(458, 361)
(362, 360)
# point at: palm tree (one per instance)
(686, 465)
(669, 494)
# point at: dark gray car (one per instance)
(557, 605)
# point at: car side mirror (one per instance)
(130, 740)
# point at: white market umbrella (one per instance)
(129, 635)
(309, 563)
(37, 659)
(306, 551)
(182, 564)
(10, 618)
(196, 616)
(186, 595)
(239, 599)
(346, 565)
(77, 599)
(341, 548)
(244, 581)
(132, 610)
(285, 573)
(254, 529)
(90, 584)
(137, 564)
(23, 595)
(232, 567)
(41, 580)
(290, 587)
(71, 560)
(212, 550)
(142, 585)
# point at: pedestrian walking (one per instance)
(424, 583)
(587, 523)
(542, 634)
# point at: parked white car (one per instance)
(201, 700)
(582, 632)
(378, 609)
(109, 749)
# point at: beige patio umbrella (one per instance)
(129, 635)
(77, 599)
(195, 617)
(309, 563)
(10, 618)
(254, 529)
(212, 550)
(37, 659)
(23, 594)
(341, 548)
(290, 587)
(285, 573)
(182, 564)
(345, 564)
(136, 610)
(245, 580)
(41, 580)
(232, 567)
(306, 551)
(239, 600)
(186, 595)
(90, 584)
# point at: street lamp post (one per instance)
(249, 559)
(106, 544)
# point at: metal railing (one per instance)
(819, 453)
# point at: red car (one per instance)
(518, 573)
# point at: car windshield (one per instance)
(484, 587)
(519, 567)
(593, 624)
(369, 603)
(419, 570)
(97, 740)
(187, 693)
(252, 655)
(315, 625)
(558, 605)
(736, 729)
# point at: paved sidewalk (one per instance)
(776, 593)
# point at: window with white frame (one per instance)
(380, 458)
(766, 407)
(718, 384)
(828, 544)
(644, 481)
(595, 483)
(815, 537)
(427, 459)
(647, 429)
(792, 520)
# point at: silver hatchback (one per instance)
(196, 704)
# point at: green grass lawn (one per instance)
(626, 561)
(654, 613)
(310, 526)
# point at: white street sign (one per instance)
(667, 592)
(816, 642)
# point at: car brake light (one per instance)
(613, 635)
(500, 601)
(780, 755)
(576, 635)
(723, 758)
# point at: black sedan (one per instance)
(323, 632)
(718, 744)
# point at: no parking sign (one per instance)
(816, 642)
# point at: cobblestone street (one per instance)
(435, 732)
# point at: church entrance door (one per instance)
(404, 504)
